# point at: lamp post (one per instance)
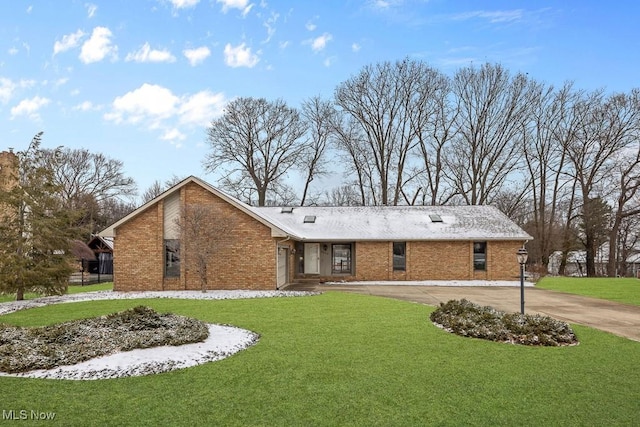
(522, 260)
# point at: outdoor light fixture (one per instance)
(522, 256)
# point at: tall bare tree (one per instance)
(254, 144)
(494, 107)
(318, 114)
(609, 125)
(551, 125)
(387, 102)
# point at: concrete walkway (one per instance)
(616, 318)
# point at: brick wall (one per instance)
(247, 259)
(138, 252)
(435, 260)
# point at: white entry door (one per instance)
(282, 266)
(312, 258)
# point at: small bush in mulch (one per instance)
(467, 319)
(27, 349)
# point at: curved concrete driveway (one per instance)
(616, 318)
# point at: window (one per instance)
(341, 259)
(172, 258)
(399, 256)
(309, 219)
(480, 255)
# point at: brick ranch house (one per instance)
(270, 247)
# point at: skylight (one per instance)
(435, 218)
(286, 210)
(310, 219)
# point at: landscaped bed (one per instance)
(471, 320)
(27, 349)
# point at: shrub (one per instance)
(465, 318)
(27, 349)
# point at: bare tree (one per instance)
(386, 101)
(254, 144)
(204, 233)
(87, 181)
(551, 125)
(318, 115)
(157, 188)
(609, 126)
(486, 150)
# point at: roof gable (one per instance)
(112, 229)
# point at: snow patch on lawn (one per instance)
(223, 340)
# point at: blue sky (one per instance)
(139, 80)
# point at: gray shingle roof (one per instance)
(395, 223)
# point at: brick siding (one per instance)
(248, 260)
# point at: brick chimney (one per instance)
(8, 170)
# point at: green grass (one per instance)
(345, 359)
(625, 290)
(72, 289)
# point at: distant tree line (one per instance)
(562, 162)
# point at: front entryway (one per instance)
(312, 258)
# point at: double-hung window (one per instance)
(480, 256)
(399, 256)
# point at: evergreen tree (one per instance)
(35, 229)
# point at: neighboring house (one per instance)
(269, 247)
(576, 263)
(102, 247)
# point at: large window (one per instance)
(341, 259)
(172, 258)
(480, 256)
(399, 256)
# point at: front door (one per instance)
(312, 258)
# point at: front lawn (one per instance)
(625, 289)
(345, 359)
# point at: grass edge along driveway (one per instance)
(346, 359)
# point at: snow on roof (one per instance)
(394, 223)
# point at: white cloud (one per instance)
(269, 24)
(146, 54)
(173, 135)
(147, 102)
(329, 61)
(86, 106)
(243, 5)
(6, 89)
(494, 17)
(239, 56)
(201, 108)
(284, 44)
(68, 41)
(355, 47)
(91, 10)
(29, 107)
(157, 108)
(29, 9)
(310, 26)
(99, 46)
(196, 56)
(319, 43)
(12, 51)
(60, 81)
(182, 4)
